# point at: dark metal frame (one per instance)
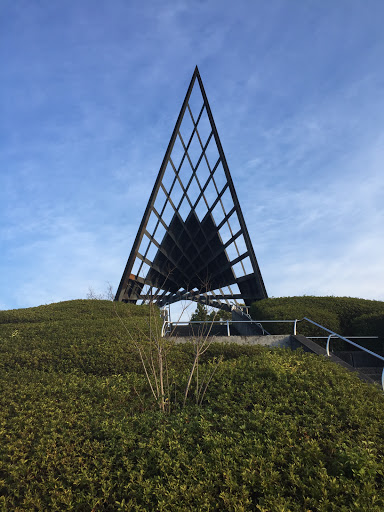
(185, 268)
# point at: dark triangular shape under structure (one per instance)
(193, 243)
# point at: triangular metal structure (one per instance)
(193, 243)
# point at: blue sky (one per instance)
(89, 95)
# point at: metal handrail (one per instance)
(240, 311)
(333, 334)
(342, 337)
(349, 337)
(227, 322)
(231, 321)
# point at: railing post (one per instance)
(327, 347)
(294, 327)
(382, 380)
(228, 330)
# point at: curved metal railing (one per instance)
(167, 327)
(333, 334)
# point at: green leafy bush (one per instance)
(369, 324)
(83, 334)
(336, 313)
(278, 430)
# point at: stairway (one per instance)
(365, 365)
(373, 372)
(363, 362)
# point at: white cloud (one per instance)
(64, 261)
(93, 97)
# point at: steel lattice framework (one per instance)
(192, 243)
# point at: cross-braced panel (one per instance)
(193, 243)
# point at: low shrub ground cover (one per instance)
(82, 334)
(364, 325)
(278, 430)
(347, 316)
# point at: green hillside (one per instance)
(347, 316)
(79, 429)
(82, 335)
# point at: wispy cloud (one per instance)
(89, 97)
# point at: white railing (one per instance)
(333, 334)
(167, 327)
(240, 311)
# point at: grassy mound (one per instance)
(278, 430)
(89, 336)
(347, 316)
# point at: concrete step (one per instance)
(371, 369)
(358, 358)
(310, 346)
(374, 373)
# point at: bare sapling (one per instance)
(201, 344)
(153, 350)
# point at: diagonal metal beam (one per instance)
(186, 258)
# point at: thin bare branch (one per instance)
(210, 379)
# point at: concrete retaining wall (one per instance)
(281, 340)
